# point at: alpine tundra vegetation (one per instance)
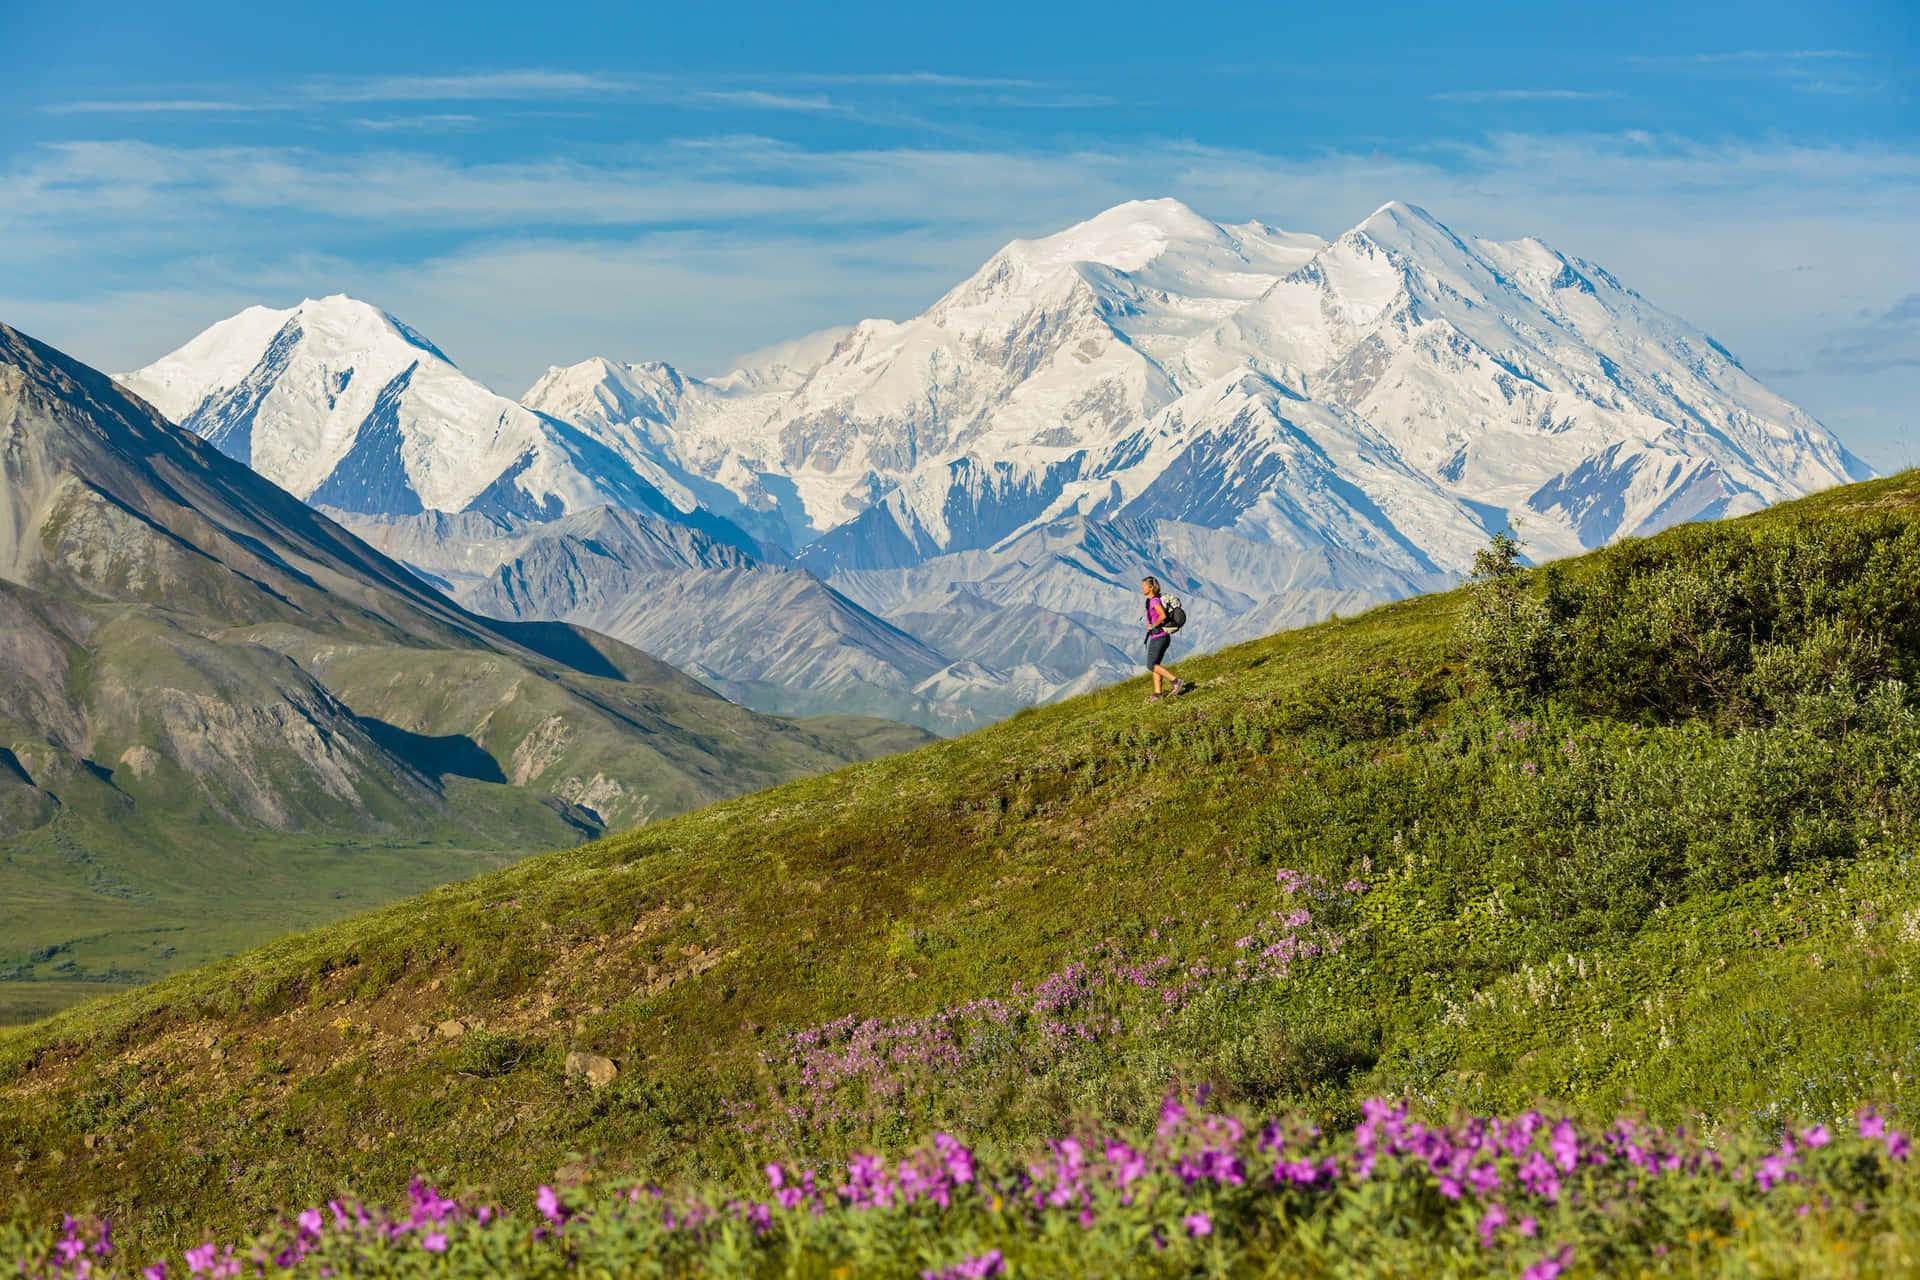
(1563, 924)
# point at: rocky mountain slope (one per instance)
(210, 691)
(770, 636)
(1283, 425)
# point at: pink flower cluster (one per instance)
(429, 1218)
(856, 1069)
(1190, 1182)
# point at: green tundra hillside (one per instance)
(1633, 832)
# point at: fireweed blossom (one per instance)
(1527, 1194)
(990, 1263)
(855, 1071)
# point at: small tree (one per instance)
(1510, 630)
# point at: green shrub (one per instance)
(1512, 625)
(488, 1054)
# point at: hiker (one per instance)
(1160, 629)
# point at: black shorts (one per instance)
(1157, 649)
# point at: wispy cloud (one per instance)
(432, 122)
(1751, 57)
(155, 106)
(1524, 95)
(760, 92)
(1888, 341)
(762, 99)
(1841, 88)
(480, 86)
(693, 250)
(1835, 72)
(921, 79)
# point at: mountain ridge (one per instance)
(1394, 394)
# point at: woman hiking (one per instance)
(1158, 638)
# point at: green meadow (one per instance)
(1630, 834)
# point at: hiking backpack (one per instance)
(1176, 616)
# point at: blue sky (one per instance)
(530, 185)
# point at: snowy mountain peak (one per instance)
(1398, 219)
(1160, 243)
(1411, 238)
(1125, 237)
(347, 406)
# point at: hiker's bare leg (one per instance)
(1159, 672)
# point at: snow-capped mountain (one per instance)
(341, 404)
(1392, 393)
(1282, 425)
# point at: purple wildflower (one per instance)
(990, 1263)
(1550, 1266)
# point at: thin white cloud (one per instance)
(1841, 88)
(922, 79)
(762, 99)
(1524, 95)
(435, 121)
(1750, 57)
(485, 86)
(1831, 72)
(159, 106)
(754, 92)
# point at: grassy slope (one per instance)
(134, 879)
(1500, 954)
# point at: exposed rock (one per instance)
(140, 761)
(598, 1072)
(451, 1029)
